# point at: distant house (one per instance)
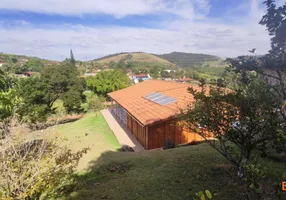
(95, 71)
(137, 77)
(24, 60)
(167, 79)
(184, 80)
(149, 111)
(2, 63)
(169, 70)
(129, 74)
(28, 74)
(53, 63)
(104, 67)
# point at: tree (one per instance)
(55, 82)
(154, 72)
(9, 102)
(242, 120)
(37, 102)
(165, 74)
(122, 66)
(179, 74)
(220, 82)
(96, 104)
(112, 65)
(32, 65)
(172, 74)
(14, 60)
(31, 167)
(93, 103)
(130, 65)
(107, 81)
(271, 66)
(72, 57)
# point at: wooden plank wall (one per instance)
(137, 130)
(159, 133)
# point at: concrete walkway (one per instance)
(123, 137)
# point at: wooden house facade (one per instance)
(149, 109)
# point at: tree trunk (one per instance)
(240, 171)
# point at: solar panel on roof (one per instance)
(168, 101)
(153, 95)
(160, 98)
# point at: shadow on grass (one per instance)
(171, 174)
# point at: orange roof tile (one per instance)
(148, 112)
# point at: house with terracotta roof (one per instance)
(28, 74)
(149, 111)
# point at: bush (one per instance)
(32, 167)
(93, 103)
(169, 144)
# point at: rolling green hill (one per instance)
(21, 63)
(178, 59)
(206, 64)
(187, 60)
(4, 57)
(133, 57)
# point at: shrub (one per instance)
(203, 195)
(31, 167)
(169, 144)
(93, 102)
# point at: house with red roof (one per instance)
(28, 74)
(137, 77)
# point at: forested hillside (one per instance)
(21, 63)
(187, 60)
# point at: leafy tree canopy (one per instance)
(55, 82)
(108, 81)
(8, 97)
(242, 120)
(35, 65)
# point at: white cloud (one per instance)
(88, 43)
(257, 10)
(117, 8)
(188, 35)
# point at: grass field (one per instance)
(214, 71)
(90, 131)
(175, 174)
(136, 57)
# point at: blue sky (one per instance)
(94, 28)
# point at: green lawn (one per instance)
(90, 131)
(174, 174)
